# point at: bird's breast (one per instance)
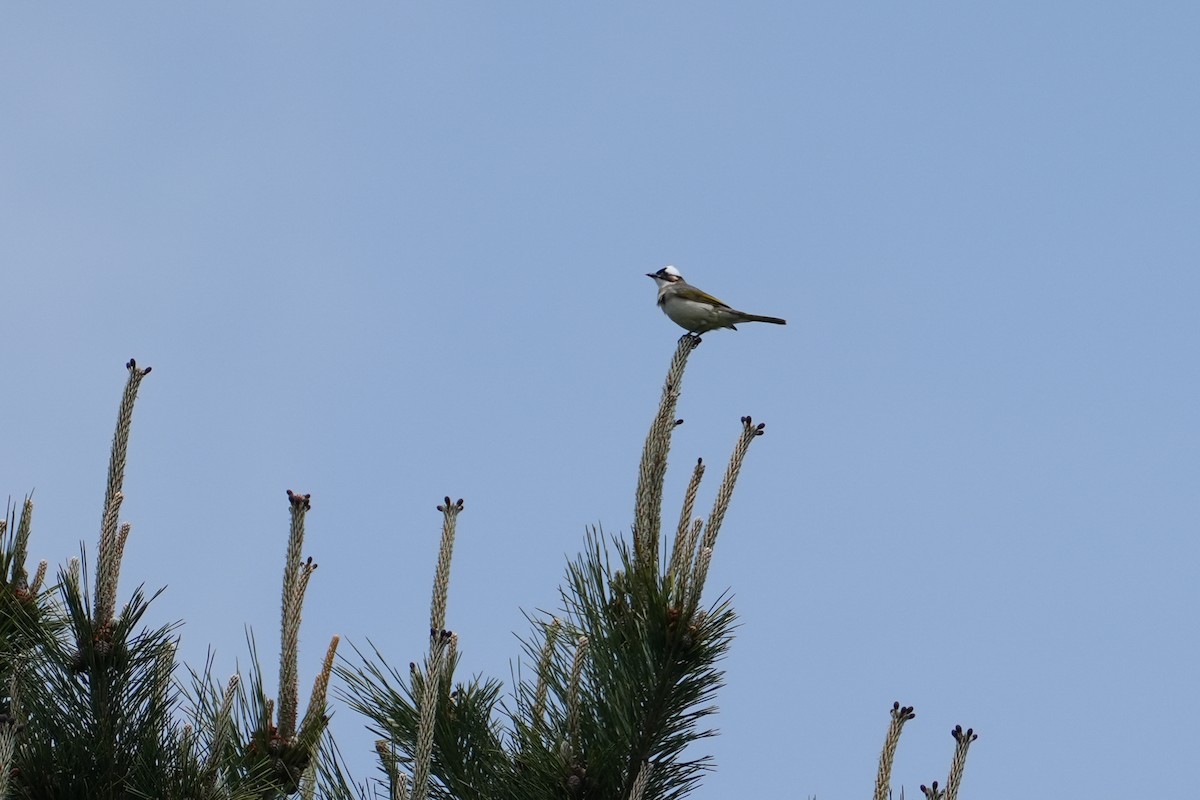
(689, 314)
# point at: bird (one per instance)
(695, 311)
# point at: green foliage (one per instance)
(468, 757)
(622, 680)
(645, 688)
(610, 699)
(648, 678)
(24, 611)
(91, 708)
(97, 705)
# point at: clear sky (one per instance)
(385, 252)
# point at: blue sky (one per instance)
(396, 251)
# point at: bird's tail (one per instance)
(756, 318)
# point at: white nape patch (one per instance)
(670, 270)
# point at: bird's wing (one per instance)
(689, 292)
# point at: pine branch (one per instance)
(883, 779)
(647, 513)
(962, 743)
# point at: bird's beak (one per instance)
(651, 275)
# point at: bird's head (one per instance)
(666, 276)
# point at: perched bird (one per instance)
(695, 311)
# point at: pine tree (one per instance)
(91, 706)
(611, 698)
(620, 683)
